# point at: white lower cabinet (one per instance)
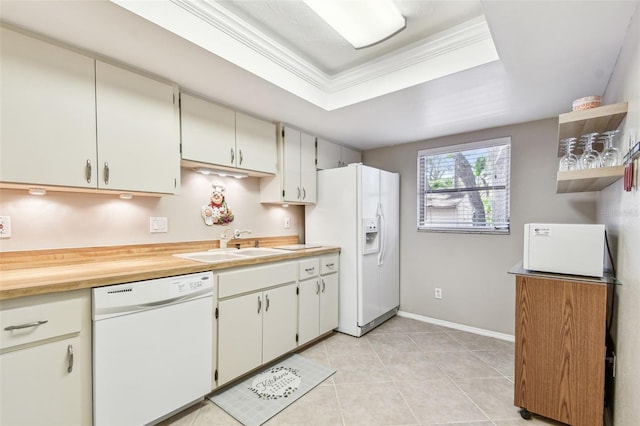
(318, 301)
(257, 313)
(239, 336)
(279, 321)
(328, 303)
(45, 360)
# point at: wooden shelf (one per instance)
(588, 180)
(577, 123)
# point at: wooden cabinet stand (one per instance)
(560, 348)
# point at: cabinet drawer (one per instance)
(246, 280)
(39, 322)
(308, 268)
(329, 264)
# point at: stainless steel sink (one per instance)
(210, 257)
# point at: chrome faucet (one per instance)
(237, 233)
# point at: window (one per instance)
(465, 188)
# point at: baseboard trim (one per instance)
(456, 326)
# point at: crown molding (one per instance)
(213, 27)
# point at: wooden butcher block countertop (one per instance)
(26, 273)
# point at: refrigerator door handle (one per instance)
(382, 235)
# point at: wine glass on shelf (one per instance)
(569, 161)
(590, 158)
(611, 155)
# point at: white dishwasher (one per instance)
(152, 348)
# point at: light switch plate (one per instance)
(158, 224)
(5, 226)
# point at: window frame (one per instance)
(452, 149)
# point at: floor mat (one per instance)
(263, 395)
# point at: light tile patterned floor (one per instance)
(404, 372)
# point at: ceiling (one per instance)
(459, 66)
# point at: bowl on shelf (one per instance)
(587, 102)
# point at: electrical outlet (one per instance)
(287, 222)
(438, 294)
(158, 224)
(5, 226)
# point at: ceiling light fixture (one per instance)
(362, 23)
(219, 172)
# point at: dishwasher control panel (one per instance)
(120, 299)
(184, 285)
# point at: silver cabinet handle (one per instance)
(267, 297)
(233, 156)
(70, 356)
(329, 265)
(298, 197)
(323, 286)
(87, 171)
(259, 304)
(240, 152)
(304, 193)
(27, 325)
(317, 287)
(106, 173)
(310, 269)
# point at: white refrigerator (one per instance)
(358, 210)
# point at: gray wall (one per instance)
(472, 269)
(620, 211)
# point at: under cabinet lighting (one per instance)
(219, 172)
(126, 195)
(37, 191)
(362, 23)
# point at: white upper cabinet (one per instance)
(208, 132)
(71, 121)
(256, 144)
(296, 180)
(138, 132)
(328, 155)
(212, 134)
(348, 156)
(331, 155)
(48, 115)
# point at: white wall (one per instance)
(62, 220)
(620, 211)
(472, 269)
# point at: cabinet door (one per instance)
(38, 389)
(308, 173)
(291, 165)
(208, 132)
(279, 324)
(48, 131)
(560, 349)
(256, 144)
(239, 336)
(328, 154)
(329, 289)
(138, 132)
(348, 156)
(308, 310)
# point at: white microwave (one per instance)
(573, 249)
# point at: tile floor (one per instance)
(405, 372)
